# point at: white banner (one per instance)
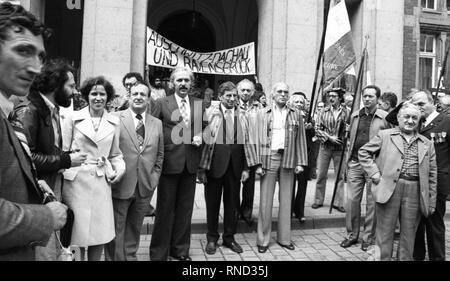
(235, 61)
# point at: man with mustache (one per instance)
(182, 120)
(40, 118)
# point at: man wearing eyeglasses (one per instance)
(120, 102)
(282, 152)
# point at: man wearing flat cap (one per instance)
(330, 130)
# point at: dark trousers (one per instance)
(299, 193)
(172, 229)
(434, 227)
(128, 219)
(229, 183)
(248, 193)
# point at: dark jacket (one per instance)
(178, 149)
(35, 117)
(24, 223)
(439, 128)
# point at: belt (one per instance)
(278, 151)
(409, 178)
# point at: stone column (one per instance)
(138, 39)
(288, 42)
(36, 7)
(107, 33)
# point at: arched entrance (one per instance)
(205, 25)
(191, 30)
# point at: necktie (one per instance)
(140, 130)
(244, 106)
(229, 127)
(56, 126)
(184, 113)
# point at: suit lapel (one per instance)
(86, 128)
(22, 158)
(398, 142)
(433, 124)
(422, 149)
(148, 128)
(105, 128)
(127, 120)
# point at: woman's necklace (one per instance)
(96, 122)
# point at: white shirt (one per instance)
(279, 127)
(187, 106)
(135, 120)
(52, 107)
(430, 118)
(6, 105)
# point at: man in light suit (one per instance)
(141, 142)
(182, 119)
(402, 166)
(24, 221)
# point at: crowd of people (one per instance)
(105, 159)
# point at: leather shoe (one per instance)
(289, 247)
(302, 219)
(316, 206)
(233, 246)
(183, 258)
(340, 209)
(262, 249)
(365, 245)
(348, 242)
(211, 248)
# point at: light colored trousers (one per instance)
(268, 182)
(357, 178)
(323, 163)
(404, 204)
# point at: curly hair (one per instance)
(136, 75)
(52, 76)
(89, 83)
(16, 18)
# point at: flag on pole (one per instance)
(339, 54)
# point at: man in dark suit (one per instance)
(39, 115)
(436, 127)
(142, 145)
(223, 166)
(181, 116)
(24, 222)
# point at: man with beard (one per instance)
(39, 116)
(157, 90)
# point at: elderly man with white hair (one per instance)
(282, 153)
(402, 166)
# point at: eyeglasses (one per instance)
(128, 85)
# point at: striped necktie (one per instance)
(140, 130)
(184, 113)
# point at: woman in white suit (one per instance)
(87, 189)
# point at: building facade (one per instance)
(406, 39)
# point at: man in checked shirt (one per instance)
(330, 128)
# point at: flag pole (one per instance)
(319, 59)
(441, 75)
(359, 81)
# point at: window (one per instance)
(429, 4)
(427, 61)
